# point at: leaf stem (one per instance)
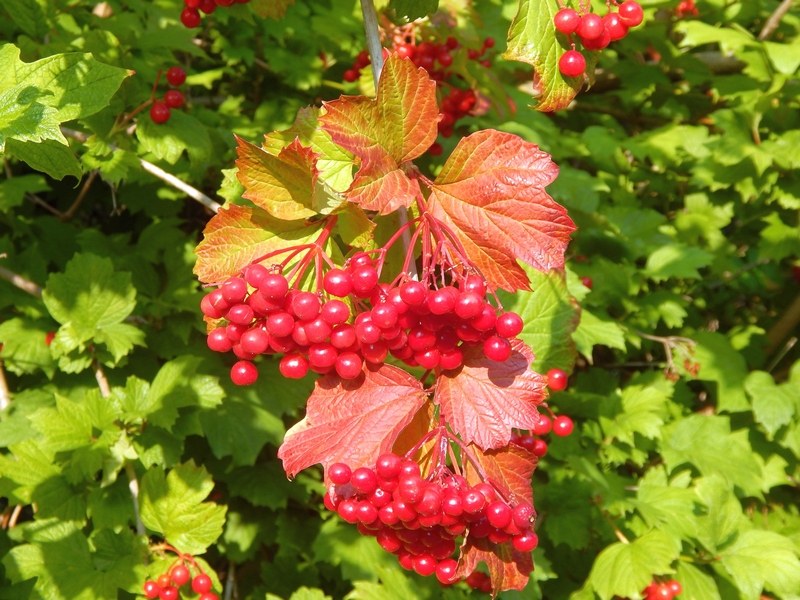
(775, 19)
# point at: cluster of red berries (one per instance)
(430, 328)
(686, 8)
(419, 519)
(666, 590)
(436, 58)
(561, 425)
(190, 16)
(161, 110)
(593, 31)
(167, 585)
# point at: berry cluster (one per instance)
(666, 590)
(561, 425)
(190, 16)
(593, 31)
(161, 110)
(418, 324)
(436, 57)
(167, 585)
(420, 519)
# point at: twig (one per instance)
(5, 394)
(786, 324)
(230, 582)
(81, 196)
(133, 486)
(167, 178)
(102, 381)
(19, 281)
(14, 516)
(373, 39)
(38, 201)
(775, 19)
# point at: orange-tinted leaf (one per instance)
(287, 186)
(491, 193)
(352, 421)
(510, 468)
(384, 132)
(237, 235)
(508, 569)
(485, 399)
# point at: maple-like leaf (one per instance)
(238, 235)
(286, 185)
(386, 132)
(510, 468)
(508, 569)
(485, 399)
(491, 194)
(352, 421)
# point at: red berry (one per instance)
(208, 596)
(587, 282)
(274, 286)
(388, 466)
(591, 27)
(567, 21)
(174, 99)
(598, 43)
(364, 480)
(208, 6)
(446, 571)
(49, 337)
(335, 312)
(572, 64)
(563, 426)
(497, 348)
(337, 282)
(176, 76)
(525, 542)
(159, 112)
(499, 514)
(190, 17)
(349, 365)
(306, 306)
(424, 564)
(557, 380)
(350, 75)
(508, 325)
(244, 372)
(339, 473)
(631, 14)
(164, 580)
(675, 587)
(413, 293)
(255, 341)
(364, 281)
(169, 593)
(293, 366)
(615, 27)
(543, 425)
(201, 583)
(180, 575)
(539, 448)
(151, 589)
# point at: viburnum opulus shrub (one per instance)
(542, 351)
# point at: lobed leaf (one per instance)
(373, 409)
(511, 467)
(238, 235)
(490, 193)
(508, 569)
(485, 400)
(385, 132)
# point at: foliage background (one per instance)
(679, 166)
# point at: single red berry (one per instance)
(255, 341)
(424, 564)
(176, 76)
(164, 580)
(293, 366)
(631, 13)
(557, 380)
(587, 282)
(508, 325)
(208, 6)
(563, 426)
(543, 425)
(151, 589)
(192, 3)
(364, 281)
(208, 596)
(413, 293)
(388, 466)
(339, 473)
(525, 542)
(567, 21)
(572, 64)
(174, 99)
(159, 112)
(180, 575)
(306, 306)
(49, 337)
(499, 514)
(539, 448)
(190, 17)
(274, 286)
(488, 42)
(446, 571)
(615, 27)
(598, 43)
(169, 593)
(337, 282)
(244, 372)
(201, 583)
(497, 348)
(350, 75)
(591, 27)
(675, 587)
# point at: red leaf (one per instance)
(286, 185)
(352, 421)
(238, 235)
(485, 399)
(508, 569)
(385, 132)
(510, 468)
(491, 193)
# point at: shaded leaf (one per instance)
(485, 399)
(373, 409)
(490, 192)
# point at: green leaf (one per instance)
(723, 515)
(626, 569)
(642, 412)
(720, 363)
(597, 330)
(24, 347)
(550, 316)
(50, 157)
(13, 190)
(173, 507)
(759, 559)
(677, 260)
(773, 405)
(708, 444)
(667, 505)
(25, 119)
(532, 39)
(168, 141)
(696, 584)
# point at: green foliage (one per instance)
(678, 165)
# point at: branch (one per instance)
(81, 196)
(19, 281)
(775, 19)
(167, 178)
(373, 39)
(784, 326)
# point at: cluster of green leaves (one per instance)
(679, 168)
